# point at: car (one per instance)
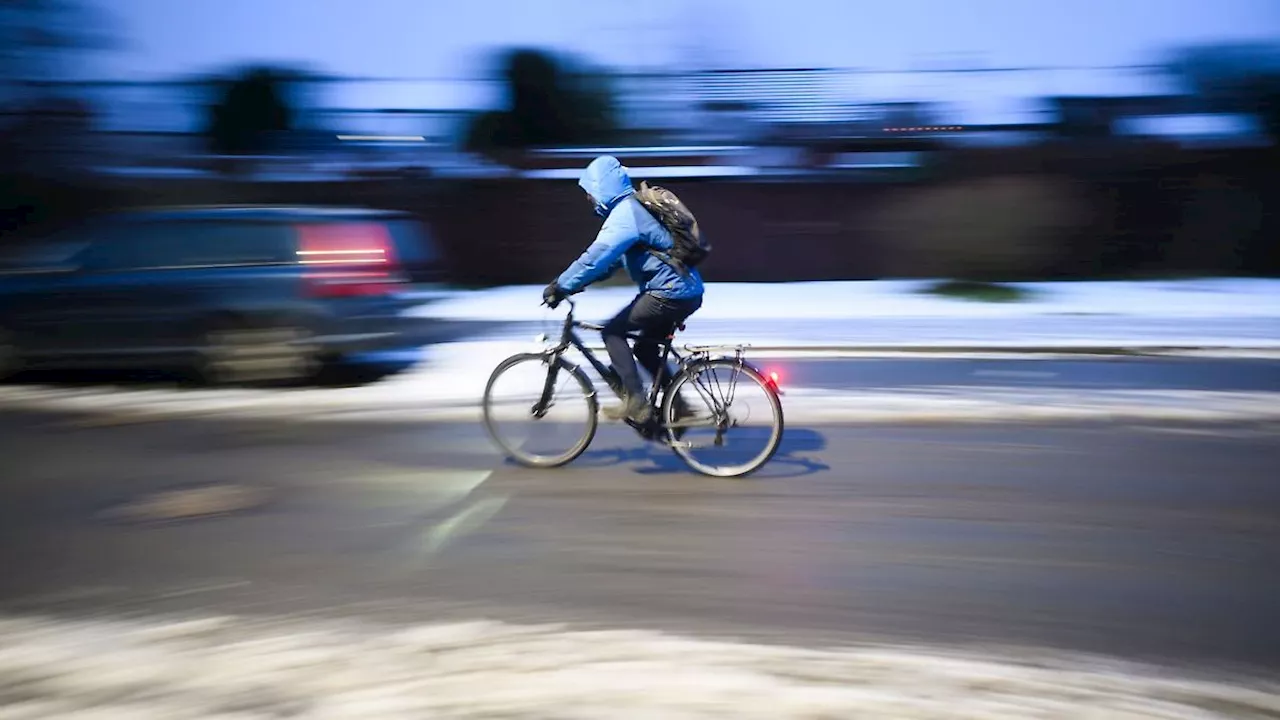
(235, 294)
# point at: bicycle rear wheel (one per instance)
(540, 410)
(737, 416)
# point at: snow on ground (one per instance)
(1207, 298)
(450, 382)
(242, 669)
(1214, 314)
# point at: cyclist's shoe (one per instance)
(635, 409)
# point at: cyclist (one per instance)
(667, 297)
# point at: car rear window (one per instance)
(155, 244)
(42, 251)
(40, 254)
(231, 243)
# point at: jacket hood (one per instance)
(607, 182)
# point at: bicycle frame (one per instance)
(569, 339)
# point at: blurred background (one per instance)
(1092, 139)
(1012, 262)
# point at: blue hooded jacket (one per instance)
(628, 229)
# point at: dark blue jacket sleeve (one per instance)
(603, 256)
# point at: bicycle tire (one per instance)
(687, 374)
(517, 453)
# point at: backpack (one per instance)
(690, 247)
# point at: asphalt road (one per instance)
(1144, 542)
(1115, 373)
(877, 373)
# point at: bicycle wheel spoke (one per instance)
(735, 446)
(704, 393)
(718, 407)
(733, 385)
(715, 377)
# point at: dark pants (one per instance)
(654, 318)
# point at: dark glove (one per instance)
(552, 295)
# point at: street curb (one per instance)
(813, 407)
(1265, 351)
(1028, 349)
(450, 392)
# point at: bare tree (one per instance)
(1234, 78)
(44, 41)
(46, 121)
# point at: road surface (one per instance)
(1142, 542)
(1116, 373)
(875, 373)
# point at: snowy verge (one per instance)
(449, 385)
(237, 668)
(1190, 299)
(450, 382)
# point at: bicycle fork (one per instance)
(544, 403)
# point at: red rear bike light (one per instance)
(774, 380)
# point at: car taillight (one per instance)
(348, 259)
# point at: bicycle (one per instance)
(696, 368)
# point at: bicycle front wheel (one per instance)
(735, 418)
(540, 410)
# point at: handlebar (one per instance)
(567, 299)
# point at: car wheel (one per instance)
(236, 353)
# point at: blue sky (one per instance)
(448, 40)
(445, 38)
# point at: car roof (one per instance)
(258, 212)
